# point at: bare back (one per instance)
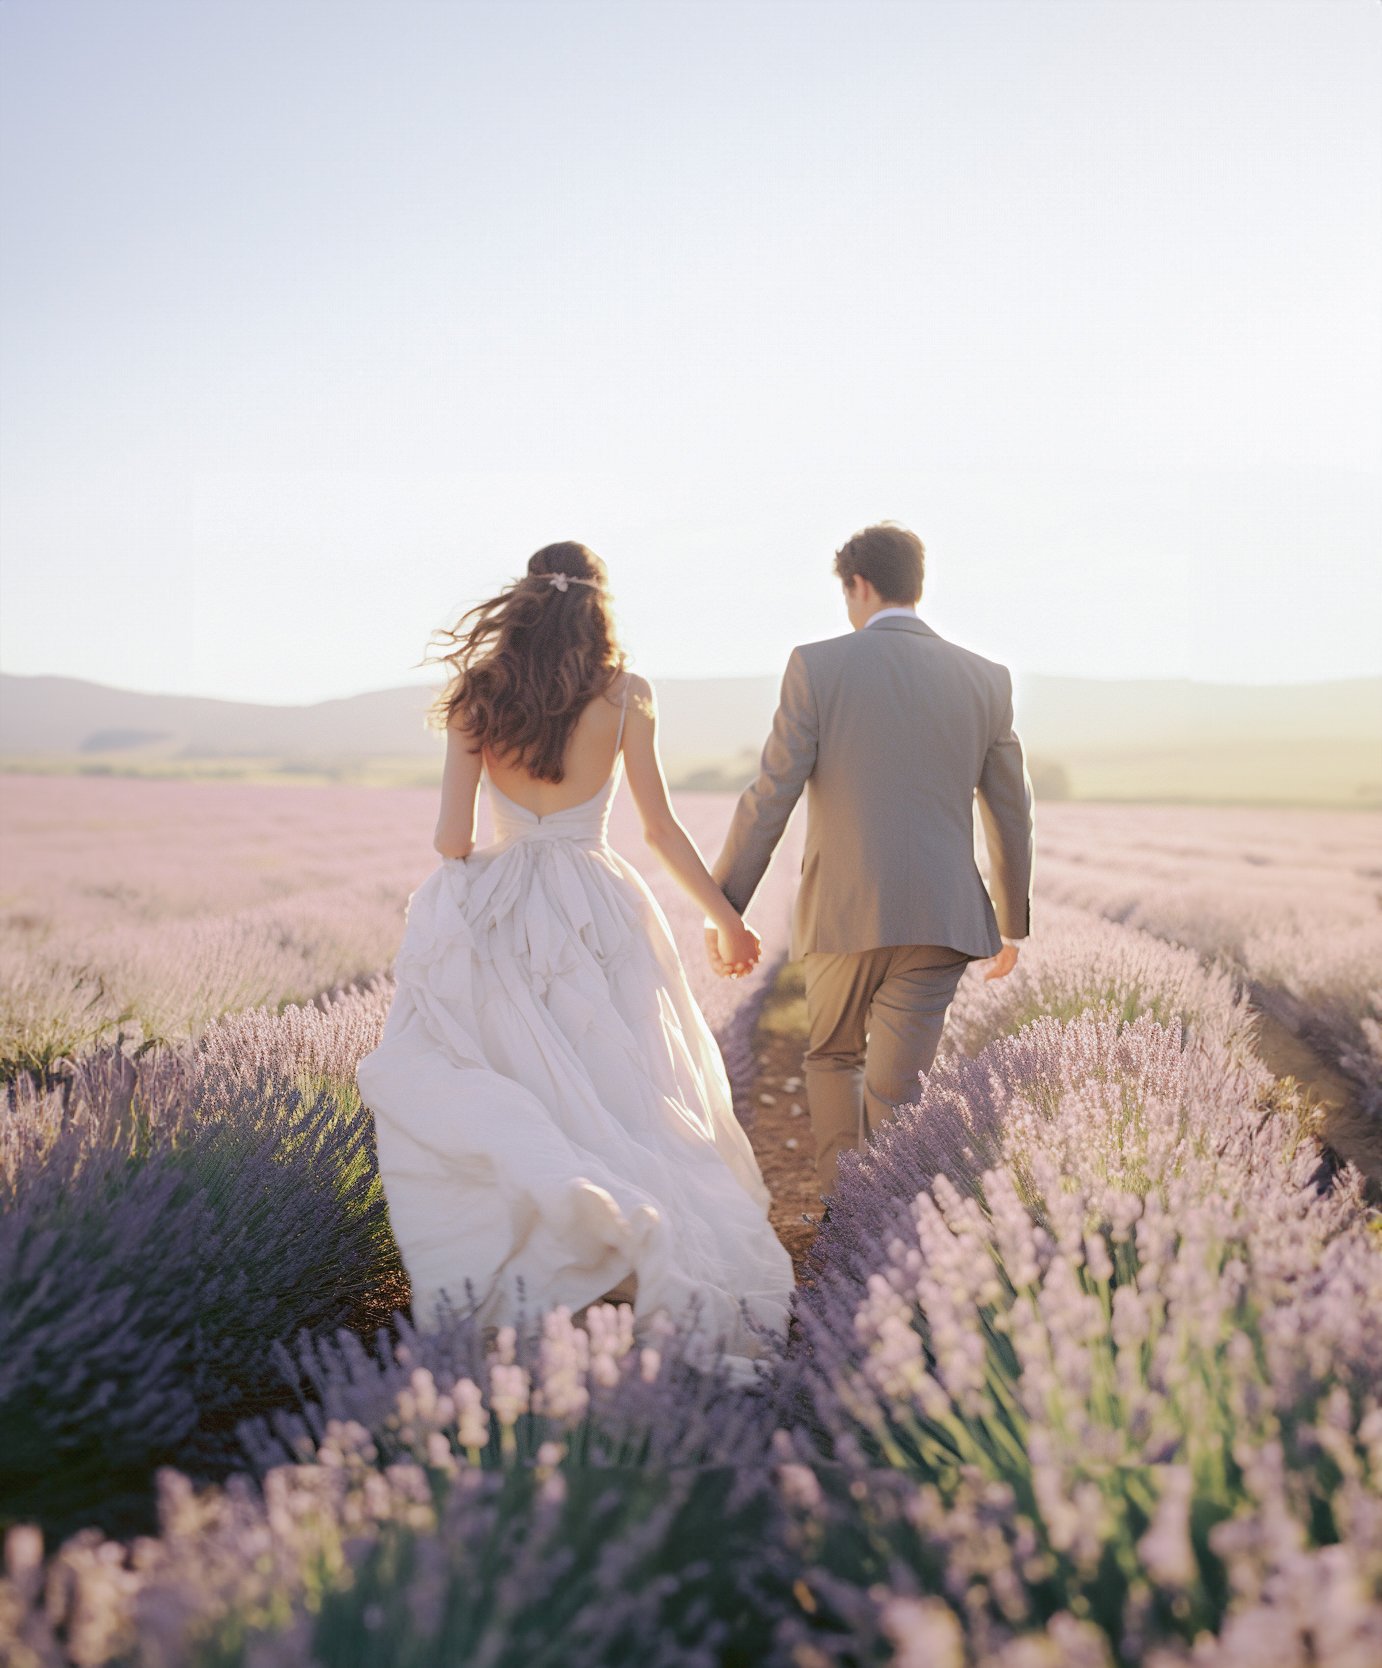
(620, 722)
(591, 755)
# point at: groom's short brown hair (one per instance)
(889, 556)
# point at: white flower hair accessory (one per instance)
(560, 581)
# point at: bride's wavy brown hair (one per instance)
(529, 661)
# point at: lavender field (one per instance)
(1288, 902)
(1086, 1369)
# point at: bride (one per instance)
(550, 1106)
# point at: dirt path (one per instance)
(781, 1132)
(1327, 1093)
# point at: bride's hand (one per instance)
(734, 951)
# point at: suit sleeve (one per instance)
(1005, 809)
(789, 756)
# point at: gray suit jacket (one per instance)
(892, 731)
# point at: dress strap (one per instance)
(623, 712)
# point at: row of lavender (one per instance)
(1290, 901)
(1113, 1384)
(1086, 1377)
(152, 909)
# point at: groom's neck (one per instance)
(875, 610)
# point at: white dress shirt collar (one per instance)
(885, 613)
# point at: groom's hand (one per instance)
(1003, 962)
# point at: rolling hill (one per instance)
(1318, 743)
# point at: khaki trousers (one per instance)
(874, 1020)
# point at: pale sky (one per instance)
(319, 318)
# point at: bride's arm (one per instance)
(460, 789)
(739, 947)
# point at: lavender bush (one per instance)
(339, 1563)
(1106, 1368)
(509, 1514)
(611, 1400)
(1080, 963)
(158, 1227)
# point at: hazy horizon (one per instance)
(1157, 740)
(317, 320)
(1019, 674)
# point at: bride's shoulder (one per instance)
(640, 693)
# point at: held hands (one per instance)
(733, 951)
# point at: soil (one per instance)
(790, 1172)
(780, 1130)
(1330, 1099)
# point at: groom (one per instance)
(892, 730)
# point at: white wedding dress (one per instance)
(549, 1101)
